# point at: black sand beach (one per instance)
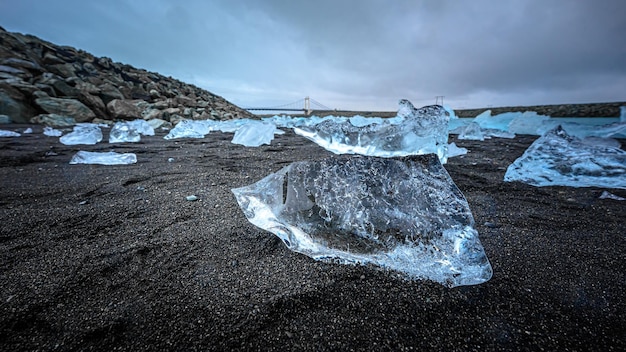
(104, 258)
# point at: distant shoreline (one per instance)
(556, 110)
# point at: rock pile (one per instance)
(41, 82)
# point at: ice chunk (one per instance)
(454, 150)
(254, 134)
(5, 133)
(49, 131)
(529, 122)
(83, 133)
(622, 113)
(404, 214)
(142, 127)
(609, 195)
(498, 122)
(190, 129)
(472, 132)
(124, 132)
(28, 131)
(557, 158)
(422, 131)
(104, 158)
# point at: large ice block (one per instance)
(103, 158)
(403, 214)
(558, 159)
(83, 133)
(254, 134)
(124, 132)
(421, 131)
(190, 129)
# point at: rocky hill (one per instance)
(41, 82)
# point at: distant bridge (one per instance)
(307, 105)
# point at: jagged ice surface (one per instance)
(558, 159)
(421, 131)
(103, 158)
(403, 214)
(254, 134)
(124, 132)
(84, 133)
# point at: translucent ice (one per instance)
(49, 131)
(557, 158)
(254, 134)
(454, 150)
(472, 132)
(403, 214)
(124, 132)
(83, 133)
(622, 113)
(528, 122)
(105, 158)
(142, 127)
(421, 131)
(5, 133)
(190, 129)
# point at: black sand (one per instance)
(115, 258)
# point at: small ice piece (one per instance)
(103, 158)
(83, 133)
(254, 134)
(189, 129)
(5, 133)
(472, 132)
(404, 214)
(49, 131)
(454, 150)
(192, 198)
(124, 132)
(421, 131)
(28, 131)
(609, 195)
(142, 127)
(558, 159)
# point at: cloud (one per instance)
(354, 54)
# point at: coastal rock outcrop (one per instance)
(41, 78)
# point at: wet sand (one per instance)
(115, 258)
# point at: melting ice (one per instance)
(421, 131)
(403, 214)
(103, 158)
(558, 159)
(83, 133)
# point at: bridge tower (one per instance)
(438, 99)
(307, 106)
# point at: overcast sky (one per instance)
(360, 54)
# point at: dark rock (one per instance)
(124, 109)
(66, 107)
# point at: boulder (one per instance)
(13, 103)
(53, 120)
(66, 107)
(124, 109)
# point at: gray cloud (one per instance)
(354, 54)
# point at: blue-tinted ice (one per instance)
(83, 133)
(403, 214)
(103, 158)
(254, 133)
(558, 159)
(420, 131)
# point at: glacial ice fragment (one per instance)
(123, 132)
(254, 134)
(5, 133)
(421, 131)
(558, 159)
(83, 133)
(472, 132)
(455, 150)
(403, 214)
(189, 129)
(103, 158)
(52, 132)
